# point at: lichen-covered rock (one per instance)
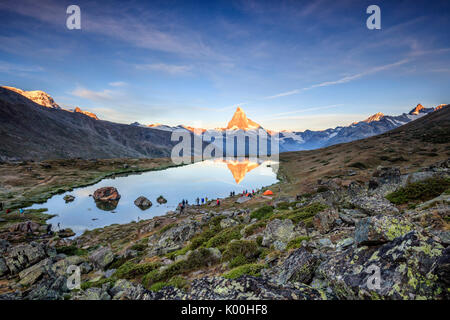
(407, 267)
(228, 222)
(380, 229)
(61, 266)
(102, 257)
(93, 294)
(3, 267)
(35, 272)
(324, 221)
(278, 230)
(22, 256)
(374, 205)
(50, 287)
(174, 238)
(125, 290)
(244, 288)
(298, 267)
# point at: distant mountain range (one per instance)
(308, 139)
(34, 126)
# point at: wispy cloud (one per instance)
(166, 68)
(117, 84)
(14, 68)
(285, 115)
(104, 95)
(342, 80)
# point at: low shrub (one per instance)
(71, 250)
(130, 270)
(197, 259)
(419, 191)
(262, 212)
(297, 242)
(241, 251)
(251, 269)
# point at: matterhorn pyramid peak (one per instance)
(241, 122)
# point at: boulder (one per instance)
(243, 288)
(3, 267)
(106, 194)
(227, 222)
(373, 205)
(27, 226)
(93, 294)
(66, 233)
(298, 267)
(33, 273)
(174, 238)
(102, 257)
(161, 200)
(380, 229)
(143, 203)
(69, 198)
(407, 270)
(125, 290)
(324, 221)
(278, 230)
(22, 256)
(243, 199)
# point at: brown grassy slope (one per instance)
(417, 144)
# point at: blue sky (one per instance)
(290, 65)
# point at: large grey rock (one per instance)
(298, 267)
(278, 230)
(407, 268)
(228, 222)
(3, 267)
(125, 290)
(93, 294)
(243, 288)
(324, 221)
(35, 272)
(373, 205)
(102, 257)
(61, 266)
(381, 229)
(22, 256)
(174, 238)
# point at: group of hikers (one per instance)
(201, 201)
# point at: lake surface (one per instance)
(212, 179)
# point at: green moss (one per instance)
(138, 247)
(297, 242)
(177, 282)
(71, 250)
(304, 214)
(419, 191)
(197, 259)
(262, 213)
(130, 270)
(251, 269)
(97, 284)
(225, 236)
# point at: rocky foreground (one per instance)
(387, 238)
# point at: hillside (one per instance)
(31, 131)
(412, 146)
